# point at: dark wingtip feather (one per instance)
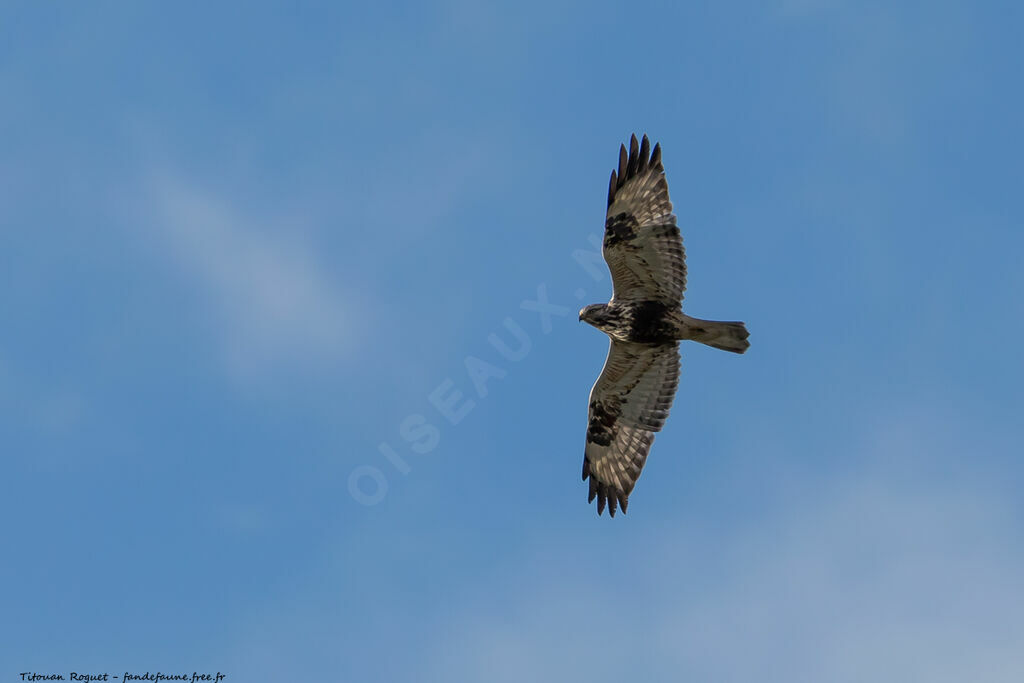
(645, 153)
(634, 156)
(614, 498)
(586, 468)
(656, 157)
(638, 159)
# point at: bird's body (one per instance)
(642, 322)
(652, 322)
(644, 319)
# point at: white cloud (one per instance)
(864, 580)
(874, 583)
(896, 569)
(274, 299)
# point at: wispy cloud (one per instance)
(275, 300)
(866, 580)
(896, 572)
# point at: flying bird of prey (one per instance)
(644, 319)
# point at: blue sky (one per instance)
(241, 249)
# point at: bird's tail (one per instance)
(725, 336)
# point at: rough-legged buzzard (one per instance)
(644, 319)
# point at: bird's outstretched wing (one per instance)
(642, 244)
(628, 404)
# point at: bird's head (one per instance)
(594, 314)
